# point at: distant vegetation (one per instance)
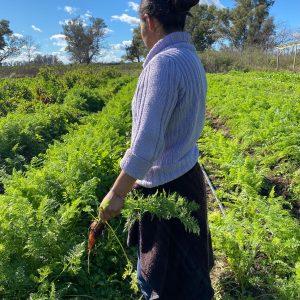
(240, 38)
(221, 61)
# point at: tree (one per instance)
(84, 41)
(137, 50)
(4, 31)
(10, 44)
(46, 60)
(203, 26)
(30, 47)
(262, 27)
(13, 47)
(249, 24)
(284, 34)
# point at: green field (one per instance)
(61, 139)
(251, 149)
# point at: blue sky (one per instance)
(43, 20)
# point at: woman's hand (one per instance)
(110, 206)
(113, 202)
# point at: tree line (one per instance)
(84, 43)
(248, 24)
(12, 45)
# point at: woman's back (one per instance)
(168, 111)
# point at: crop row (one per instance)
(262, 112)
(258, 238)
(24, 135)
(45, 213)
(49, 87)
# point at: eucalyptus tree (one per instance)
(84, 41)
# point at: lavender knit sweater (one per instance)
(168, 110)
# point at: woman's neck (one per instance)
(159, 34)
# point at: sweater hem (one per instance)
(164, 177)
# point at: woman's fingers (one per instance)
(107, 214)
(110, 206)
(104, 214)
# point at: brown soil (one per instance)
(218, 124)
(222, 279)
(282, 189)
(281, 185)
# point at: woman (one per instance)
(168, 117)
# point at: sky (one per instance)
(43, 19)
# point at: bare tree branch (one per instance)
(13, 47)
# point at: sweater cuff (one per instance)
(134, 165)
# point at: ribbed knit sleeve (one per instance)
(155, 99)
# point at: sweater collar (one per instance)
(166, 41)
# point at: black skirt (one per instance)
(176, 264)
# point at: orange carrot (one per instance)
(95, 231)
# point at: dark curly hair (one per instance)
(170, 13)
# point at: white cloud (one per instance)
(82, 18)
(121, 46)
(217, 3)
(88, 15)
(296, 36)
(127, 19)
(36, 28)
(64, 22)
(62, 56)
(70, 10)
(85, 18)
(58, 37)
(108, 56)
(107, 30)
(59, 40)
(18, 35)
(134, 6)
(22, 57)
(34, 49)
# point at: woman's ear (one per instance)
(151, 23)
